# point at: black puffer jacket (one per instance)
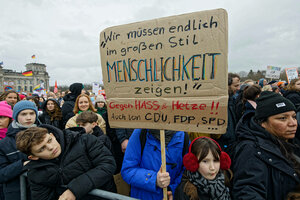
(45, 118)
(260, 169)
(69, 101)
(11, 164)
(293, 96)
(96, 132)
(84, 164)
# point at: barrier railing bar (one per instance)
(23, 186)
(95, 192)
(109, 195)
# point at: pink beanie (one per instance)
(5, 109)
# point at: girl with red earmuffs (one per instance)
(203, 179)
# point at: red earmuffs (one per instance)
(191, 163)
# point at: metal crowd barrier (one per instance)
(95, 192)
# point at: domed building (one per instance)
(10, 79)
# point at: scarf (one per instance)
(3, 133)
(18, 125)
(168, 135)
(216, 188)
(101, 111)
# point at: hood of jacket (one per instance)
(44, 105)
(247, 128)
(70, 97)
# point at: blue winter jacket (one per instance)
(11, 164)
(141, 173)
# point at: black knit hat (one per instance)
(271, 103)
(76, 88)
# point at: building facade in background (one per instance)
(10, 79)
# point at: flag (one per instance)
(38, 88)
(33, 56)
(55, 87)
(27, 73)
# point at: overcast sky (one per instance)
(64, 34)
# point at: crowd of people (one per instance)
(65, 144)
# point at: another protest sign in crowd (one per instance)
(68, 148)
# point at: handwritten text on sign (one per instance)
(168, 73)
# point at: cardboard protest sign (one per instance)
(168, 73)
(291, 73)
(273, 72)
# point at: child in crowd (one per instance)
(89, 121)
(65, 164)
(11, 160)
(203, 178)
(100, 105)
(5, 118)
(11, 97)
(141, 167)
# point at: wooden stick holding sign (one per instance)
(163, 158)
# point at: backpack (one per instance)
(143, 138)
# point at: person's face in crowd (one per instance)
(4, 122)
(11, 99)
(297, 85)
(63, 94)
(265, 82)
(26, 117)
(41, 99)
(50, 105)
(83, 91)
(235, 85)
(277, 90)
(100, 104)
(88, 127)
(83, 103)
(209, 167)
(283, 125)
(48, 149)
